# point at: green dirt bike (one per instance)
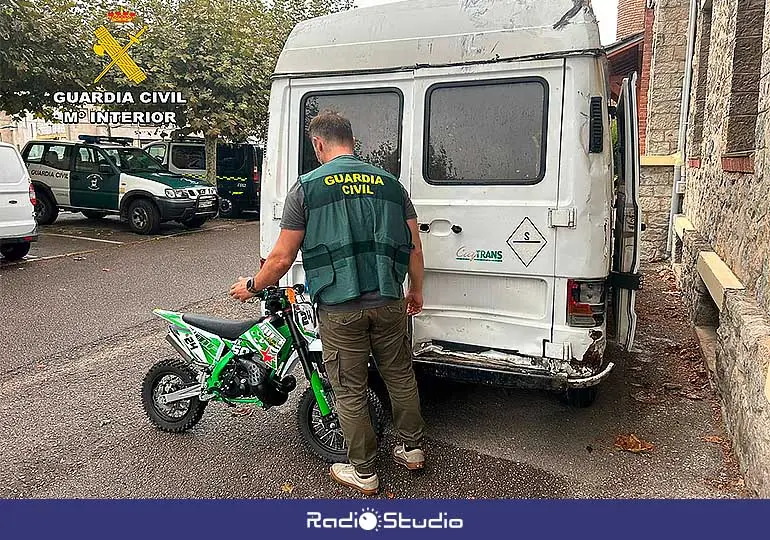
(250, 362)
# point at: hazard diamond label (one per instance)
(526, 242)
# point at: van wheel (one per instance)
(15, 252)
(580, 398)
(46, 210)
(143, 217)
(94, 214)
(227, 209)
(194, 222)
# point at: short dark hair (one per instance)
(332, 127)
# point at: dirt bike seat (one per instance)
(225, 328)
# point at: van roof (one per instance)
(429, 33)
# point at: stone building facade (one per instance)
(727, 201)
(665, 52)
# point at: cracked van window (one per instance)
(376, 120)
(491, 133)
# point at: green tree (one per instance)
(220, 55)
(40, 52)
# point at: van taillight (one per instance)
(255, 175)
(32, 196)
(586, 303)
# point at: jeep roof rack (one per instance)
(187, 138)
(101, 139)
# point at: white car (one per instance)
(18, 227)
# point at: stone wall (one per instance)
(730, 208)
(727, 201)
(699, 88)
(655, 199)
(743, 351)
(667, 53)
(669, 50)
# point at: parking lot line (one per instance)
(84, 238)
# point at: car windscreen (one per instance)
(133, 160)
(11, 167)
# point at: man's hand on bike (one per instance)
(239, 290)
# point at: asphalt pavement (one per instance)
(78, 336)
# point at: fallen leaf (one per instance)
(390, 495)
(106, 270)
(104, 423)
(691, 395)
(672, 386)
(632, 443)
(714, 439)
(241, 411)
(287, 487)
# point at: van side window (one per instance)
(35, 154)
(486, 133)
(57, 157)
(375, 116)
(187, 156)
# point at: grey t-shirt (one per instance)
(294, 218)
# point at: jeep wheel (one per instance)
(143, 217)
(46, 210)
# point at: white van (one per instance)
(495, 117)
(18, 227)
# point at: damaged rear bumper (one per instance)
(511, 369)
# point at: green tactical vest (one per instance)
(356, 237)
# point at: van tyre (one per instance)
(46, 210)
(94, 214)
(194, 222)
(580, 398)
(143, 217)
(15, 252)
(227, 209)
(177, 417)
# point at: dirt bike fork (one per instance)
(311, 372)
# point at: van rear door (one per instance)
(16, 211)
(483, 184)
(628, 222)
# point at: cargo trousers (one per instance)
(348, 337)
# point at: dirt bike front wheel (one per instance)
(163, 378)
(324, 435)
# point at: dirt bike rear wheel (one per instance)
(328, 443)
(164, 377)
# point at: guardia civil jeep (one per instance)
(106, 175)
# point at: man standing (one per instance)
(358, 233)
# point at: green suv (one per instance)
(106, 175)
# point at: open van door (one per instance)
(625, 275)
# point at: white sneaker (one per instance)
(346, 474)
(413, 459)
